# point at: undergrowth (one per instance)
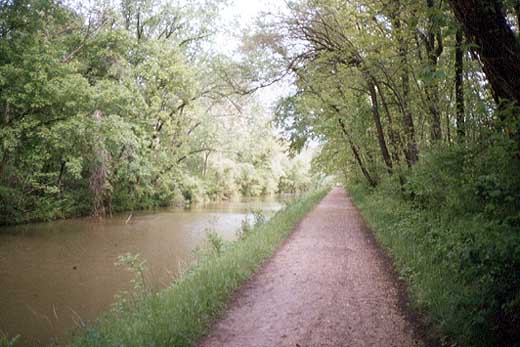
(180, 314)
(6, 341)
(453, 229)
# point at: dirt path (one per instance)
(328, 285)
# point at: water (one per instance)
(57, 276)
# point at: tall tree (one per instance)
(485, 25)
(434, 47)
(459, 84)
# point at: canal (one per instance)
(58, 276)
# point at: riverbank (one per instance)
(55, 272)
(329, 285)
(180, 314)
(84, 210)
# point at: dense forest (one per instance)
(413, 106)
(416, 106)
(111, 107)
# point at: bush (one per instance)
(454, 233)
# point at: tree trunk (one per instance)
(436, 130)
(379, 127)
(99, 174)
(59, 181)
(205, 166)
(433, 51)
(394, 136)
(459, 85)
(355, 151)
(486, 26)
(411, 151)
(7, 112)
(3, 163)
(517, 15)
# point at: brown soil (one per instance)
(328, 285)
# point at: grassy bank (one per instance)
(461, 268)
(180, 314)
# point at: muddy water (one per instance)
(59, 275)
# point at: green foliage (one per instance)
(180, 314)
(454, 233)
(245, 229)
(6, 341)
(215, 241)
(259, 218)
(119, 107)
(137, 267)
(247, 226)
(374, 84)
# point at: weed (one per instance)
(125, 300)
(259, 218)
(215, 241)
(6, 341)
(245, 228)
(461, 268)
(180, 314)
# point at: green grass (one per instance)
(181, 313)
(6, 341)
(459, 267)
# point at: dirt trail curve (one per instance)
(328, 285)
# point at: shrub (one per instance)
(454, 232)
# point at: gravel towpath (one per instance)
(328, 285)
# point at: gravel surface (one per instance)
(328, 285)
